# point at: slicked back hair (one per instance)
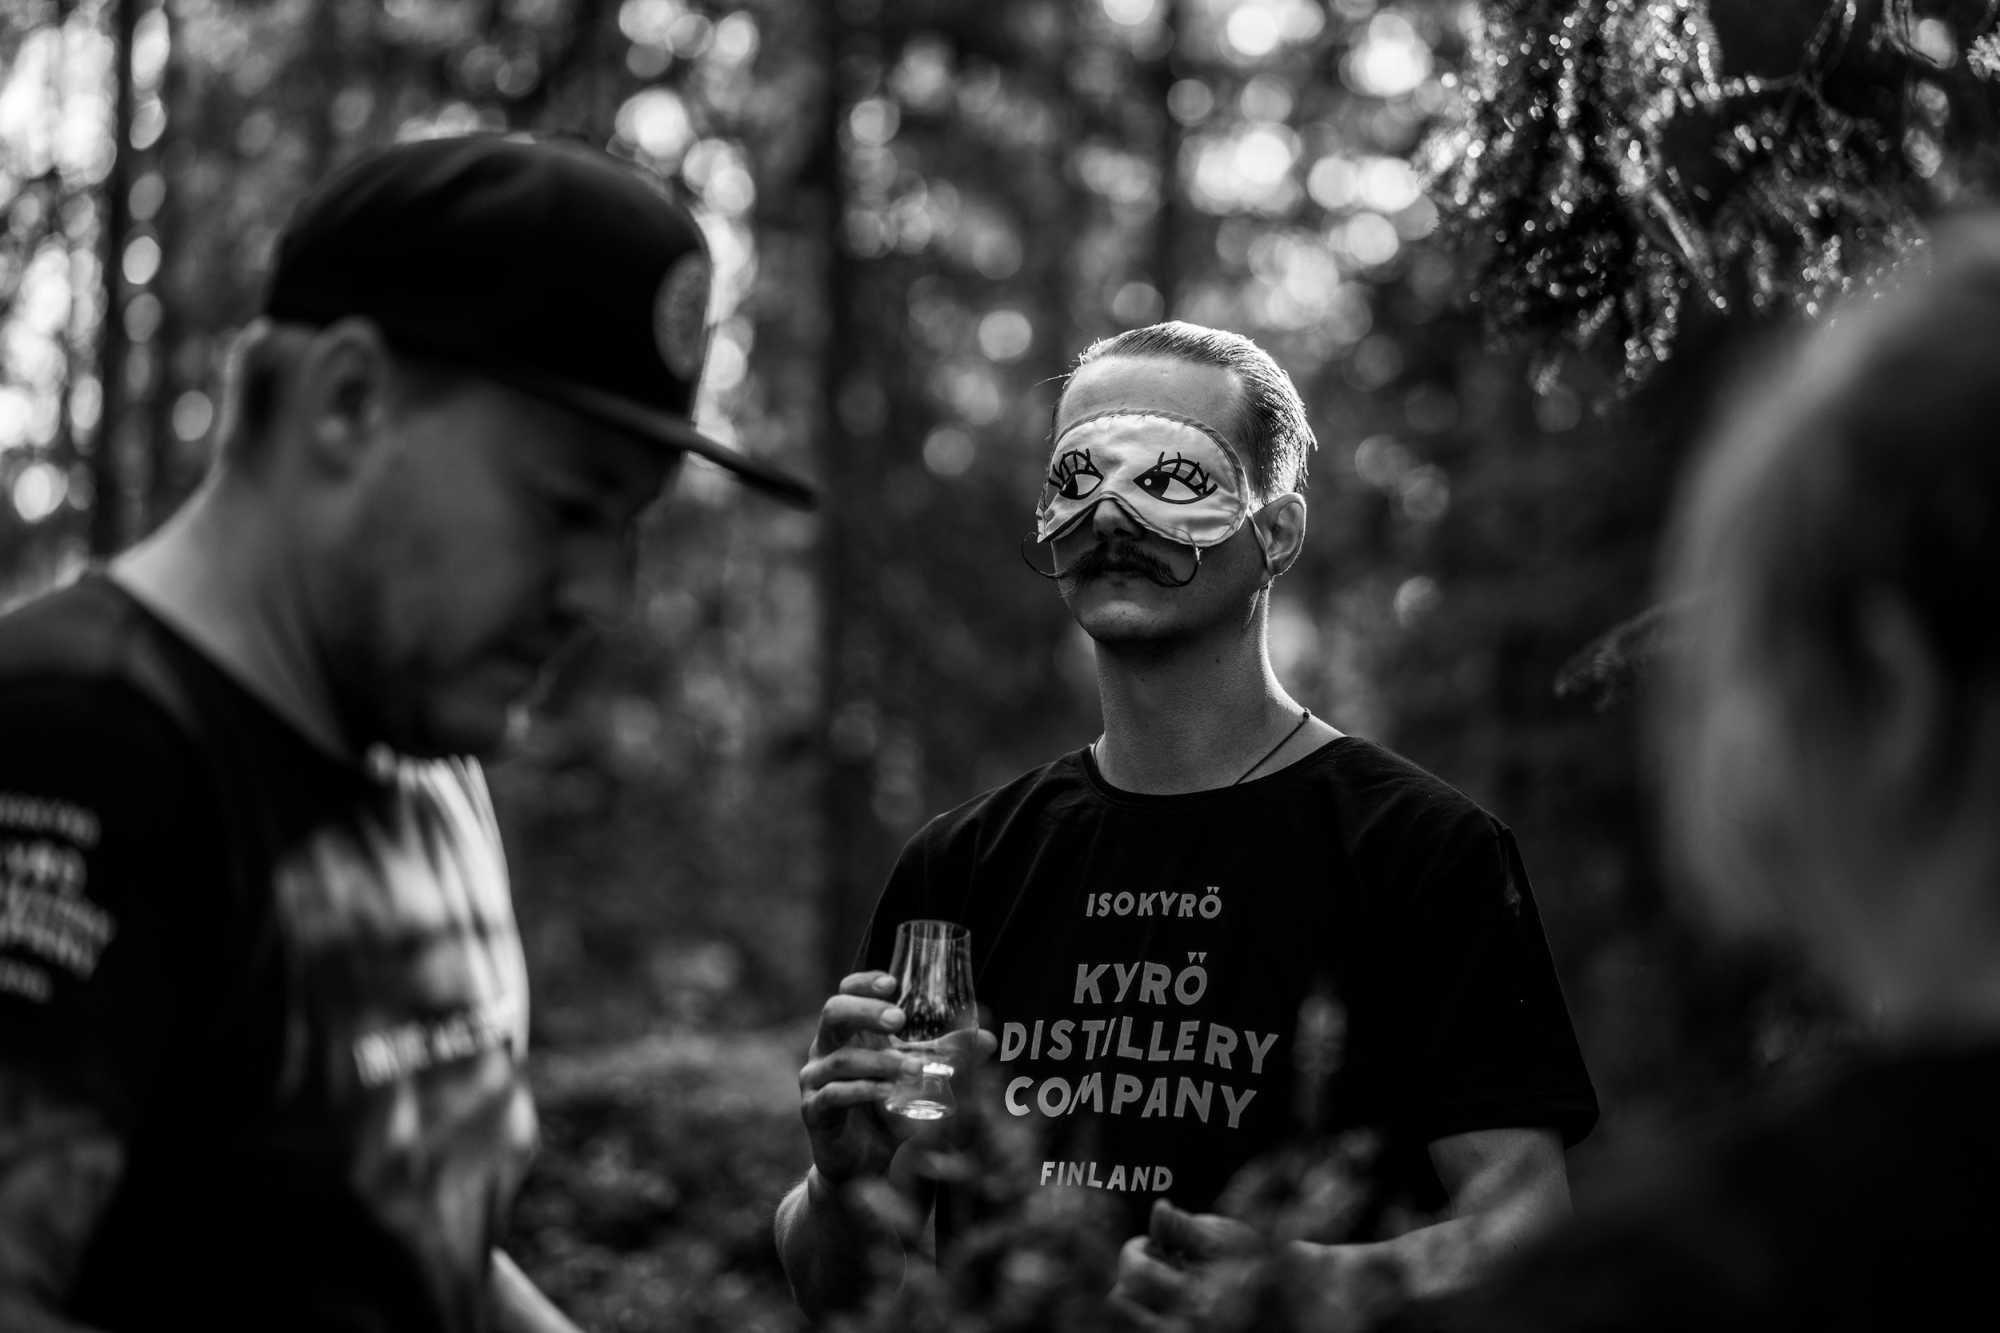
(1274, 418)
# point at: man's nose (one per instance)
(1109, 519)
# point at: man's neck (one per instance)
(1927, 955)
(1192, 717)
(209, 573)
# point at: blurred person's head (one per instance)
(442, 535)
(1831, 713)
(1172, 499)
(475, 367)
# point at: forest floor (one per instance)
(662, 1161)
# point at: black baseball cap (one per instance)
(545, 263)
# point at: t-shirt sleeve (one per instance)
(1474, 1024)
(101, 861)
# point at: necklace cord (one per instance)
(1305, 716)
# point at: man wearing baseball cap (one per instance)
(262, 1001)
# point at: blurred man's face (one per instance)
(1818, 826)
(1116, 575)
(1799, 795)
(491, 530)
(1731, 753)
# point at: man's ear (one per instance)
(1283, 520)
(343, 391)
(1906, 726)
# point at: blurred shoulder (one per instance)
(86, 642)
(85, 626)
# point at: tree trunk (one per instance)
(1168, 221)
(168, 461)
(109, 491)
(848, 776)
(326, 70)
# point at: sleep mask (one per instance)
(1171, 475)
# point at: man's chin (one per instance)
(1112, 621)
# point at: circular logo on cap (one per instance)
(680, 315)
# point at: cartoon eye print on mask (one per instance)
(1074, 476)
(1177, 481)
(1172, 475)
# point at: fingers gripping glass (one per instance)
(933, 969)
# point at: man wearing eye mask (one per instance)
(1177, 926)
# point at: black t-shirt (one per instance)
(1865, 1205)
(1146, 960)
(277, 1000)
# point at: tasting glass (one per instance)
(933, 970)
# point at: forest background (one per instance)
(1510, 253)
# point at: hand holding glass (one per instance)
(933, 970)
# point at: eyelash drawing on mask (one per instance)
(1179, 470)
(1172, 476)
(1068, 468)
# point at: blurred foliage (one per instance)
(921, 211)
(1626, 164)
(651, 1206)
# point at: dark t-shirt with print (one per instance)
(280, 996)
(1146, 961)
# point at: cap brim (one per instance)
(676, 432)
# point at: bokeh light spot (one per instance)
(1425, 494)
(1333, 183)
(14, 413)
(727, 365)
(1138, 303)
(1392, 60)
(142, 260)
(948, 451)
(736, 38)
(1131, 13)
(1005, 335)
(39, 490)
(1372, 239)
(86, 402)
(873, 121)
(1253, 30)
(1190, 101)
(655, 121)
(1266, 98)
(1416, 598)
(193, 414)
(1388, 184)
(142, 317)
(1381, 461)
(650, 22)
(148, 193)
